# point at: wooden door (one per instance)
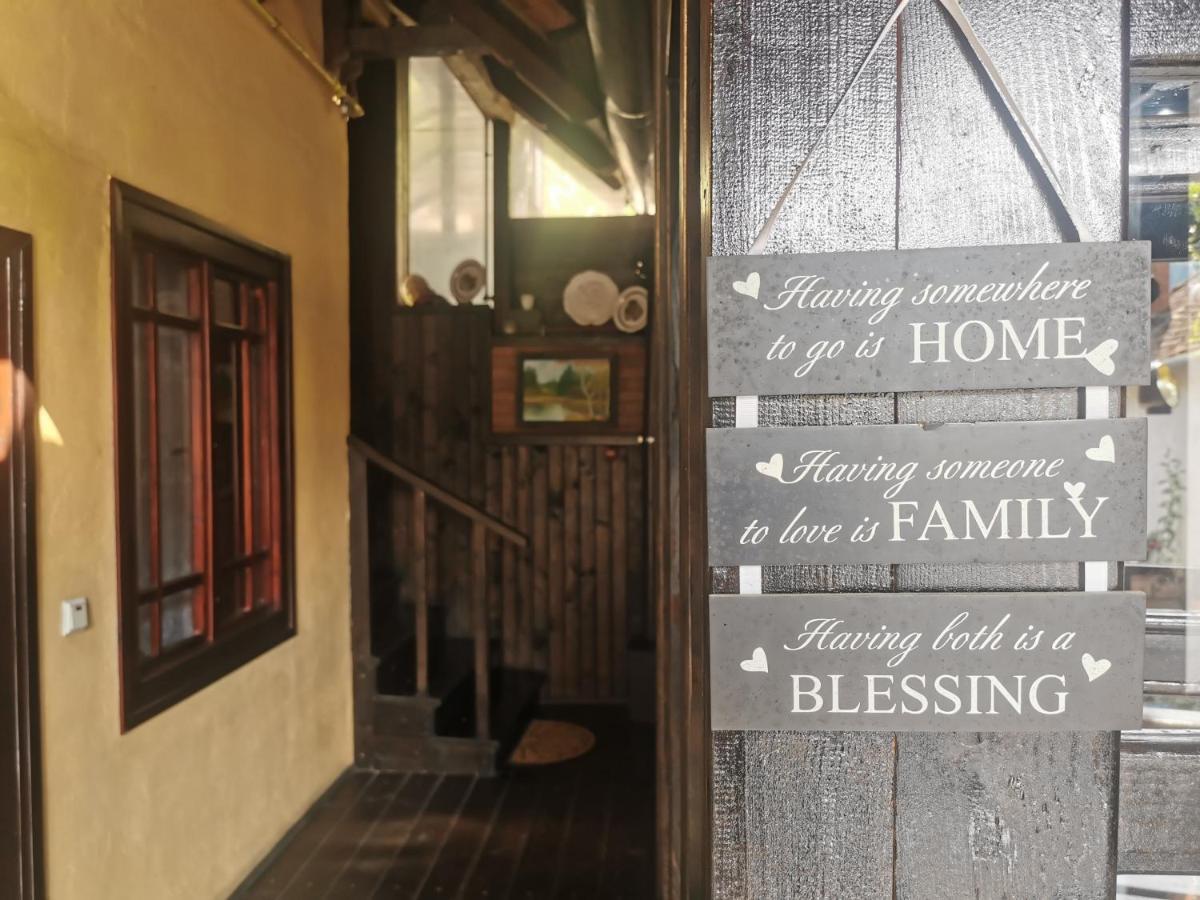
(20, 873)
(921, 156)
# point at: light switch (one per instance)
(75, 615)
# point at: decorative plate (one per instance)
(633, 309)
(467, 280)
(590, 298)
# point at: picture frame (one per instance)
(575, 390)
(568, 390)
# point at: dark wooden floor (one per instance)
(579, 829)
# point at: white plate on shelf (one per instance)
(590, 298)
(633, 309)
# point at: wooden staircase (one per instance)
(437, 705)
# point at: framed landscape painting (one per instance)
(566, 390)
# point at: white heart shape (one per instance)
(773, 468)
(1105, 451)
(757, 661)
(749, 287)
(1100, 356)
(1074, 489)
(1092, 666)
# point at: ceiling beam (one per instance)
(402, 41)
(471, 73)
(527, 54)
(580, 141)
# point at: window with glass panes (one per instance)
(201, 322)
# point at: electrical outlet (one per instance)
(75, 616)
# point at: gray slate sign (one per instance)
(968, 493)
(927, 662)
(969, 318)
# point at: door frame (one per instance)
(19, 591)
(679, 414)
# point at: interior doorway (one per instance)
(504, 277)
(19, 748)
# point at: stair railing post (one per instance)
(420, 590)
(479, 617)
(360, 610)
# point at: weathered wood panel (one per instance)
(1005, 815)
(1160, 804)
(1166, 31)
(977, 815)
(803, 815)
(573, 599)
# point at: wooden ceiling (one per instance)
(531, 57)
(544, 16)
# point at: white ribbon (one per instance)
(960, 19)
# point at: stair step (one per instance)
(440, 755)
(451, 660)
(514, 699)
(404, 716)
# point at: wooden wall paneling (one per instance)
(580, 531)
(605, 639)
(802, 815)
(427, 464)
(1014, 814)
(408, 366)
(570, 657)
(557, 620)
(620, 582)
(640, 620)
(508, 559)
(524, 586)
(540, 534)
(430, 433)
(452, 331)
(478, 401)
(495, 463)
(588, 622)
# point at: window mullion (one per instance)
(205, 373)
(200, 555)
(152, 457)
(277, 439)
(246, 450)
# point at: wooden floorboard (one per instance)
(409, 870)
(459, 854)
(374, 857)
(343, 843)
(305, 844)
(497, 865)
(579, 829)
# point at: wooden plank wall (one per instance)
(919, 157)
(570, 603)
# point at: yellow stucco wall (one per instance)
(196, 101)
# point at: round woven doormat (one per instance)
(549, 741)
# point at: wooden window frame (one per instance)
(149, 686)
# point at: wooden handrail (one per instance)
(435, 493)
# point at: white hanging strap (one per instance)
(960, 19)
